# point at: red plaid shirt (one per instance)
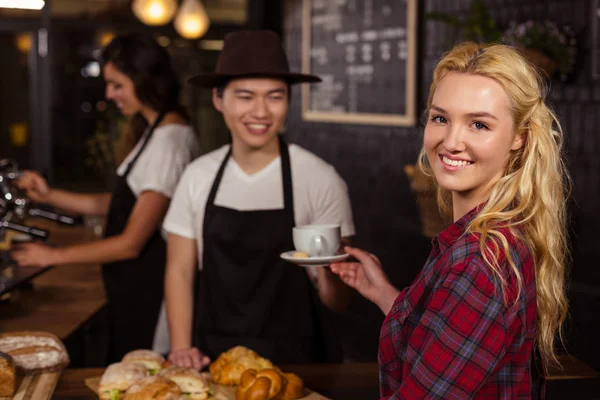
(451, 334)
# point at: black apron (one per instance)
(134, 288)
(247, 294)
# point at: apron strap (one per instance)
(217, 180)
(146, 140)
(286, 180)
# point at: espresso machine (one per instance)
(15, 207)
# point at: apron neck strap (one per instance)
(286, 180)
(160, 117)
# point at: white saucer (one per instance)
(313, 261)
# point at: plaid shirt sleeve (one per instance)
(461, 337)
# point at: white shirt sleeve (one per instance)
(181, 218)
(332, 203)
(163, 160)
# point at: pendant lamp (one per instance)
(154, 12)
(192, 20)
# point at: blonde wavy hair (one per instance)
(532, 192)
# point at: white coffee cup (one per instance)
(317, 240)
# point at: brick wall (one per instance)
(371, 159)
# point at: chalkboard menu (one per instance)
(364, 50)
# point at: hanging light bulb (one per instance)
(154, 12)
(192, 20)
(23, 42)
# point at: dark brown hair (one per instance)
(156, 85)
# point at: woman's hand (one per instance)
(367, 277)
(33, 255)
(35, 186)
(190, 357)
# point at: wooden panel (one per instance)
(35, 387)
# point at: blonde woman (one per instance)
(494, 283)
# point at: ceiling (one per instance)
(219, 11)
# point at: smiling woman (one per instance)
(492, 293)
(468, 148)
(158, 145)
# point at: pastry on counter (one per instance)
(230, 355)
(35, 352)
(230, 365)
(269, 384)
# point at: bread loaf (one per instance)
(34, 352)
(7, 376)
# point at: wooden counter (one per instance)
(360, 380)
(63, 298)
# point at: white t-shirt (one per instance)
(320, 194)
(170, 149)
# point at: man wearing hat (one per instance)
(233, 214)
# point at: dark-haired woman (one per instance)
(155, 149)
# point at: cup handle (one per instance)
(317, 245)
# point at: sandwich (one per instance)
(192, 383)
(147, 358)
(155, 388)
(119, 377)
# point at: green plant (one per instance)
(477, 26)
(555, 42)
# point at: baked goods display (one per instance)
(7, 375)
(144, 374)
(34, 352)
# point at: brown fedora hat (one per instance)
(247, 53)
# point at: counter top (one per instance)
(358, 380)
(62, 299)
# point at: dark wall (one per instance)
(14, 99)
(371, 160)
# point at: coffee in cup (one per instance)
(317, 240)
